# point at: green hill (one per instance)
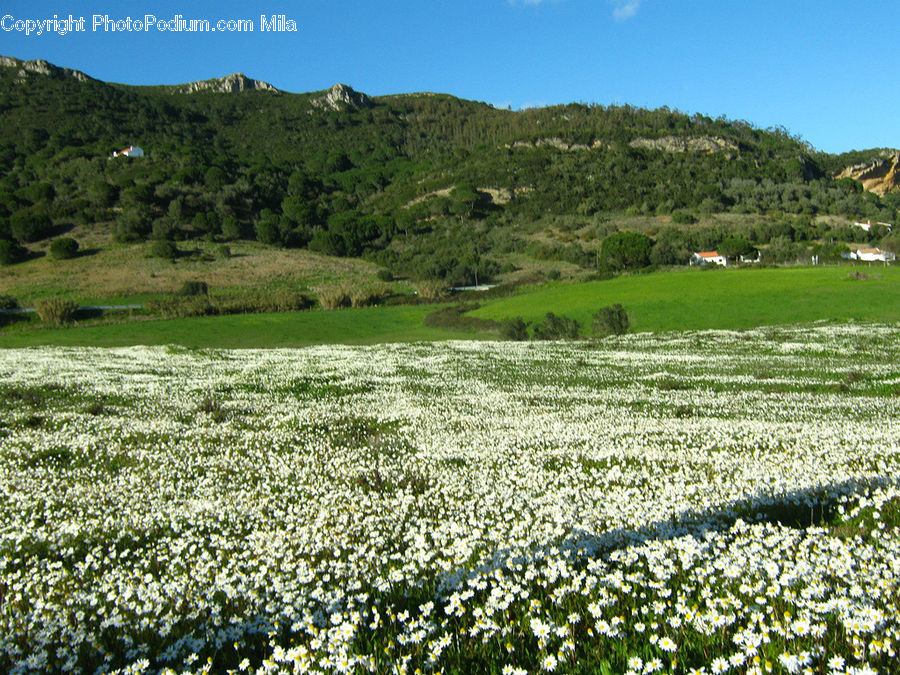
(426, 185)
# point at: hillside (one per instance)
(426, 185)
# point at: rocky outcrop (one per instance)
(881, 175)
(557, 143)
(41, 67)
(704, 144)
(229, 84)
(341, 97)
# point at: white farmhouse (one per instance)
(872, 255)
(709, 257)
(868, 225)
(130, 151)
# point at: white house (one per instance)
(872, 255)
(868, 225)
(130, 151)
(709, 257)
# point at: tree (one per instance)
(27, 225)
(268, 229)
(891, 243)
(133, 224)
(300, 210)
(102, 194)
(733, 247)
(215, 178)
(232, 228)
(626, 250)
(465, 201)
(176, 209)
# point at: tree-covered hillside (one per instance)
(427, 184)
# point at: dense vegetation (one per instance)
(427, 185)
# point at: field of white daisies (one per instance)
(708, 502)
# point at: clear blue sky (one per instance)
(824, 69)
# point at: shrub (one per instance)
(56, 311)
(177, 307)
(223, 251)
(431, 289)
(11, 252)
(455, 318)
(611, 320)
(352, 295)
(189, 288)
(368, 294)
(163, 248)
(8, 302)
(284, 300)
(213, 407)
(683, 218)
(385, 275)
(514, 329)
(64, 248)
(333, 297)
(555, 327)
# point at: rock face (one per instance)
(340, 96)
(706, 144)
(879, 176)
(227, 85)
(42, 67)
(557, 143)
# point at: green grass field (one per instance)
(736, 299)
(679, 300)
(288, 329)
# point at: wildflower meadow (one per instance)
(693, 502)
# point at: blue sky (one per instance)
(824, 70)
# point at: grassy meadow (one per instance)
(365, 325)
(736, 299)
(687, 299)
(110, 272)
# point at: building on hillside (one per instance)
(130, 151)
(868, 225)
(872, 255)
(709, 257)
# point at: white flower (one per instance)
(666, 644)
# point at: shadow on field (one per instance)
(798, 509)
